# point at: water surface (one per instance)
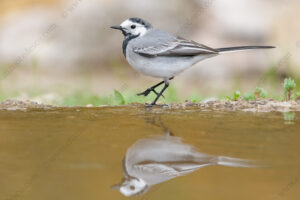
(78, 153)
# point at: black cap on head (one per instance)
(141, 21)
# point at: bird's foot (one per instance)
(147, 92)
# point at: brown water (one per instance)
(77, 153)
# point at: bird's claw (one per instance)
(147, 92)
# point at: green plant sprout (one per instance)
(236, 95)
(289, 86)
(260, 93)
(119, 98)
(249, 96)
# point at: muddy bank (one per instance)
(11, 104)
(264, 105)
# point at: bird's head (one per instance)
(131, 187)
(133, 27)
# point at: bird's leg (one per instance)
(152, 89)
(166, 81)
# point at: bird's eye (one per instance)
(132, 187)
(133, 26)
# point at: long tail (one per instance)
(242, 48)
(235, 162)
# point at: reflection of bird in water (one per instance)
(155, 160)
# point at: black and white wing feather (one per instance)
(176, 47)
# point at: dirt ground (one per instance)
(264, 105)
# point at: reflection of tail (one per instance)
(235, 162)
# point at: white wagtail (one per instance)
(151, 161)
(156, 53)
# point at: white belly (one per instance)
(162, 67)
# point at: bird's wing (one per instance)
(156, 168)
(188, 167)
(176, 47)
(171, 168)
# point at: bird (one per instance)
(156, 159)
(159, 54)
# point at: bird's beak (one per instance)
(116, 187)
(117, 27)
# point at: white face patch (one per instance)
(132, 187)
(134, 28)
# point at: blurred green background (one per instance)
(63, 52)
